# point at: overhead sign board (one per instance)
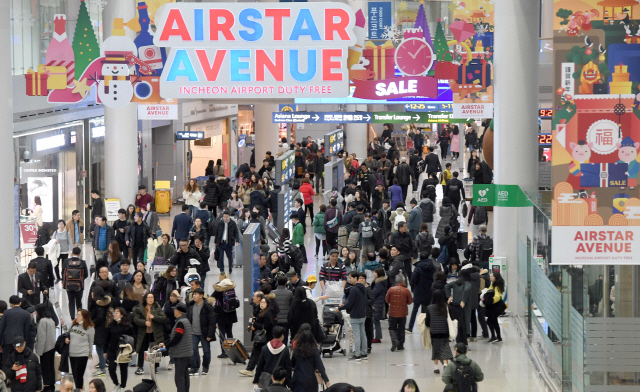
(428, 107)
(333, 142)
(416, 117)
(285, 167)
(257, 50)
(322, 117)
(379, 18)
(188, 135)
(473, 110)
(499, 195)
(157, 111)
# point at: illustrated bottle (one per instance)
(59, 52)
(147, 51)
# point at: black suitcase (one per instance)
(234, 349)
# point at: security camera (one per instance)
(26, 156)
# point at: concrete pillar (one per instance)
(516, 125)
(8, 276)
(121, 125)
(72, 7)
(267, 138)
(356, 135)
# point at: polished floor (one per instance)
(506, 365)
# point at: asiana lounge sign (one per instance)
(262, 50)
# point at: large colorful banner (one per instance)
(596, 132)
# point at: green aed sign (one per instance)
(499, 196)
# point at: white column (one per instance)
(356, 135)
(72, 7)
(7, 268)
(516, 126)
(267, 138)
(121, 125)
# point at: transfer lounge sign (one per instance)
(257, 50)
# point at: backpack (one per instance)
(74, 276)
(367, 230)
(41, 268)
(443, 258)
(399, 218)
(454, 223)
(353, 239)
(480, 215)
(464, 378)
(230, 301)
(333, 222)
(454, 189)
(342, 236)
(485, 248)
(431, 191)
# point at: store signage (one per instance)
(261, 50)
(500, 196)
(322, 117)
(50, 142)
(29, 233)
(333, 142)
(188, 135)
(473, 110)
(156, 111)
(285, 167)
(409, 117)
(406, 86)
(286, 108)
(596, 245)
(379, 18)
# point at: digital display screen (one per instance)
(545, 139)
(285, 167)
(545, 113)
(333, 142)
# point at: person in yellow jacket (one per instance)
(497, 307)
(445, 176)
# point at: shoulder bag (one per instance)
(453, 326)
(265, 378)
(319, 378)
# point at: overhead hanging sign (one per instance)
(333, 142)
(285, 167)
(409, 117)
(473, 110)
(322, 117)
(157, 111)
(379, 18)
(261, 50)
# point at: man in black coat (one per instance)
(356, 306)
(432, 162)
(44, 267)
(226, 239)
(402, 240)
(273, 204)
(454, 190)
(20, 358)
(137, 237)
(15, 322)
(182, 260)
(421, 281)
(404, 174)
(203, 329)
(30, 284)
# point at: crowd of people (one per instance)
(378, 256)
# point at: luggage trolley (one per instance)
(153, 356)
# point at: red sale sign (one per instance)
(406, 86)
(29, 234)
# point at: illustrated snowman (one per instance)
(114, 87)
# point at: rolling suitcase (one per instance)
(163, 201)
(234, 350)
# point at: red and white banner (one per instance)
(406, 86)
(29, 234)
(596, 245)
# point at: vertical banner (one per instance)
(596, 133)
(225, 158)
(233, 143)
(379, 18)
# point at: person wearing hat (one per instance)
(404, 174)
(180, 346)
(461, 364)
(15, 322)
(203, 328)
(22, 367)
(294, 281)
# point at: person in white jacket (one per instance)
(191, 196)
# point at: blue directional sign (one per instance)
(428, 107)
(321, 117)
(186, 135)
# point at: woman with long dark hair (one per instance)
(305, 361)
(139, 284)
(263, 320)
(208, 171)
(99, 309)
(149, 318)
(409, 385)
(455, 142)
(37, 211)
(119, 325)
(165, 284)
(131, 211)
(80, 343)
(436, 320)
(443, 141)
(97, 385)
(302, 311)
(152, 220)
(45, 346)
(495, 309)
(191, 195)
(218, 169)
(111, 258)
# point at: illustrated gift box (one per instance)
(57, 76)
(381, 59)
(603, 175)
(36, 83)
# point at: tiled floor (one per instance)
(506, 366)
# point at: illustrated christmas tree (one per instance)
(421, 21)
(440, 47)
(85, 45)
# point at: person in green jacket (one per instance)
(298, 235)
(448, 377)
(318, 230)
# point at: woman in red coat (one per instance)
(307, 192)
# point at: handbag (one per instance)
(319, 378)
(260, 336)
(265, 377)
(453, 326)
(427, 338)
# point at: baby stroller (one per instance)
(334, 331)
